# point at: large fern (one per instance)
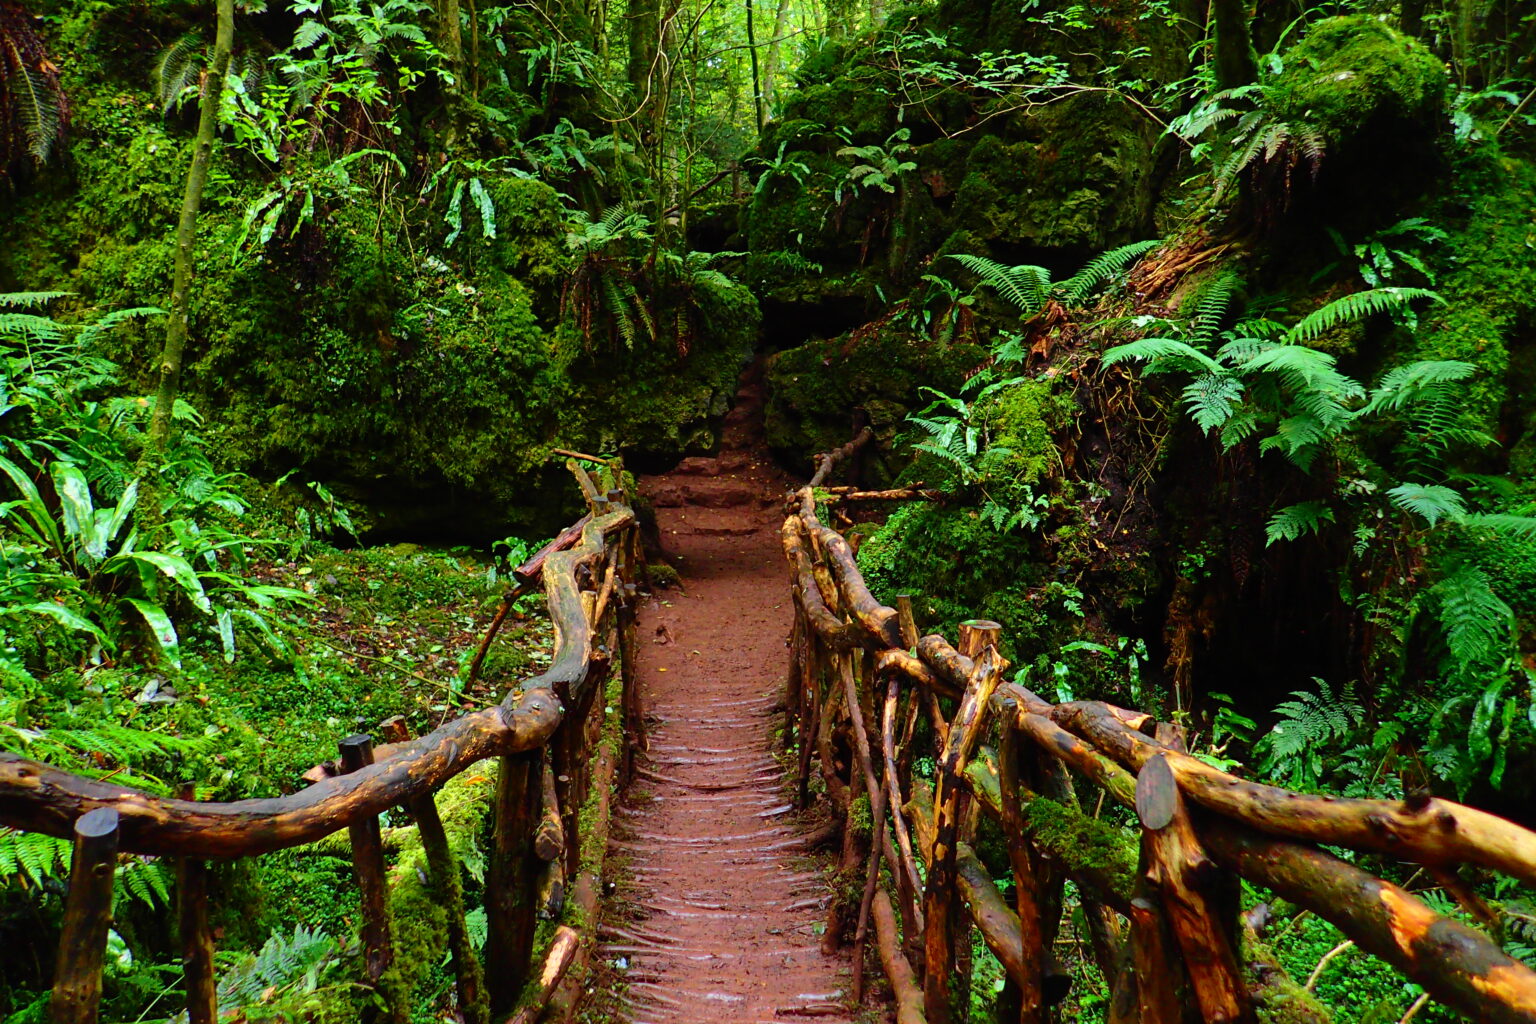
(1026, 287)
(1357, 306)
(1292, 750)
(1101, 268)
(34, 112)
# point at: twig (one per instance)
(1317, 972)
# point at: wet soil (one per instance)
(725, 902)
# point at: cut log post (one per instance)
(562, 953)
(879, 841)
(1178, 866)
(939, 894)
(908, 994)
(76, 996)
(906, 620)
(1021, 855)
(511, 902)
(810, 716)
(634, 715)
(443, 876)
(549, 837)
(368, 864)
(196, 941)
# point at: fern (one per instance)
(1294, 521)
(1430, 502)
(1101, 268)
(1212, 398)
(1163, 355)
(1354, 307)
(1293, 747)
(282, 962)
(31, 857)
(1213, 306)
(1476, 625)
(1026, 286)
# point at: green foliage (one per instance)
(1028, 288)
(1292, 750)
(34, 112)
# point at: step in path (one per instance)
(724, 905)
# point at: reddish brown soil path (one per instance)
(727, 904)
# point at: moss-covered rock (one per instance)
(1353, 71)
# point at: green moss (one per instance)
(878, 369)
(1023, 419)
(1083, 842)
(1350, 71)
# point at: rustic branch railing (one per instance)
(1164, 924)
(545, 733)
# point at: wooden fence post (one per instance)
(196, 937)
(1011, 765)
(511, 880)
(368, 864)
(76, 997)
(443, 872)
(1177, 864)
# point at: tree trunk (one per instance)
(775, 50)
(1236, 63)
(757, 78)
(186, 230)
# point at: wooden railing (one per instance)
(1164, 922)
(545, 733)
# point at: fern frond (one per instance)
(1294, 521)
(1355, 307)
(1477, 625)
(1163, 354)
(1430, 502)
(30, 300)
(1025, 286)
(1211, 399)
(1101, 268)
(1212, 307)
(1401, 386)
(179, 69)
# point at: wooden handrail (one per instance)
(1203, 826)
(547, 710)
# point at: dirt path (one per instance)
(730, 907)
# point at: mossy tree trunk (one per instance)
(775, 50)
(1235, 61)
(171, 356)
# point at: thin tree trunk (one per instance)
(757, 78)
(775, 50)
(176, 331)
(1236, 63)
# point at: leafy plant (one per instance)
(876, 167)
(1029, 288)
(604, 281)
(34, 112)
(1292, 750)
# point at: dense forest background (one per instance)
(1211, 325)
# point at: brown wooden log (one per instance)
(1098, 873)
(511, 880)
(368, 865)
(908, 995)
(877, 620)
(635, 739)
(562, 953)
(1027, 712)
(1430, 831)
(976, 635)
(549, 837)
(584, 893)
(196, 941)
(550, 893)
(849, 496)
(906, 621)
(1157, 967)
(826, 462)
(1178, 866)
(914, 669)
(1457, 965)
(40, 798)
(443, 876)
(947, 663)
(1021, 857)
(879, 842)
(594, 495)
(533, 569)
(76, 996)
(908, 882)
(811, 594)
(939, 892)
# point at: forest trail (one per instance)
(727, 907)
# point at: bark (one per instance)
(1236, 63)
(1457, 965)
(196, 941)
(76, 996)
(178, 319)
(1430, 831)
(775, 49)
(368, 865)
(1178, 866)
(909, 995)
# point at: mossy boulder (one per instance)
(1355, 71)
(814, 388)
